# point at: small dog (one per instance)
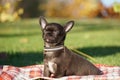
(59, 61)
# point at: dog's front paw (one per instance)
(52, 76)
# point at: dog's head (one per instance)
(54, 33)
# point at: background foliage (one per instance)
(79, 9)
(11, 10)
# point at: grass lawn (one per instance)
(21, 43)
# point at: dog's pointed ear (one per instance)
(68, 26)
(42, 22)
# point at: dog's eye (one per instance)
(47, 30)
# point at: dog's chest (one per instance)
(53, 58)
(49, 54)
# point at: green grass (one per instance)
(21, 43)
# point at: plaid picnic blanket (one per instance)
(32, 72)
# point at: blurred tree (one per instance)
(84, 8)
(110, 11)
(116, 7)
(9, 11)
(56, 8)
(31, 8)
(71, 8)
(9, 3)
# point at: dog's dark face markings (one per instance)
(53, 32)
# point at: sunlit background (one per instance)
(13, 9)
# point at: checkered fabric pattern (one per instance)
(36, 71)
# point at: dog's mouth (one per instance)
(50, 39)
